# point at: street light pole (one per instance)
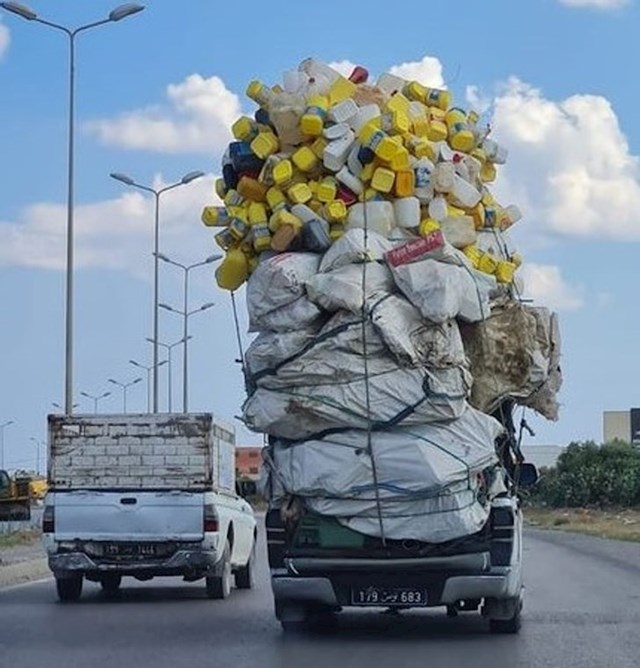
(96, 398)
(186, 268)
(39, 443)
(2, 428)
(124, 387)
(169, 347)
(148, 369)
(117, 14)
(128, 181)
(185, 315)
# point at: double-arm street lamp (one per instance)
(148, 369)
(186, 268)
(95, 398)
(169, 347)
(185, 368)
(117, 14)
(2, 428)
(39, 444)
(128, 181)
(124, 387)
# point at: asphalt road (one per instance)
(582, 609)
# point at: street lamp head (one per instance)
(115, 382)
(123, 178)
(162, 257)
(212, 258)
(163, 362)
(166, 306)
(105, 394)
(137, 380)
(191, 176)
(123, 11)
(136, 363)
(21, 10)
(204, 307)
(84, 394)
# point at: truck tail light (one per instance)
(210, 521)
(48, 520)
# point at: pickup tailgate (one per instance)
(129, 516)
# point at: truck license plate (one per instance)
(388, 596)
(130, 550)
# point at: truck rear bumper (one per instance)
(183, 562)
(333, 590)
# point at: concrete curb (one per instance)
(24, 571)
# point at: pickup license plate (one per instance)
(388, 596)
(130, 550)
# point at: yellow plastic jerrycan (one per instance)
(460, 135)
(304, 159)
(233, 271)
(313, 119)
(215, 216)
(327, 189)
(336, 211)
(341, 89)
(252, 189)
(405, 183)
(427, 226)
(260, 93)
(437, 125)
(265, 144)
(283, 172)
(244, 129)
(505, 271)
(435, 97)
(383, 179)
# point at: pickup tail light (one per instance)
(211, 521)
(48, 520)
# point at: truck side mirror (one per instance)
(528, 475)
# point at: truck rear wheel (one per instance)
(511, 625)
(219, 586)
(245, 578)
(111, 583)
(69, 589)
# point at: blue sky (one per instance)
(155, 96)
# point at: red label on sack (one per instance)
(415, 250)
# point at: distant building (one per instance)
(248, 462)
(542, 455)
(621, 426)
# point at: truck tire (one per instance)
(111, 583)
(69, 589)
(219, 586)
(508, 626)
(245, 577)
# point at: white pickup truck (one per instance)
(145, 496)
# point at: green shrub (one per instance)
(588, 474)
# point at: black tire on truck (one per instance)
(110, 583)
(511, 625)
(245, 576)
(69, 589)
(219, 586)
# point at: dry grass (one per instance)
(620, 524)
(18, 538)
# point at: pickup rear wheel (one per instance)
(511, 625)
(245, 577)
(219, 586)
(111, 583)
(69, 589)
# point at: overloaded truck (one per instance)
(393, 344)
(145, 496)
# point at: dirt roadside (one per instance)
(22, 559)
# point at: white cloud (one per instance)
(598, 4)
(5, 38)
(111, 234)
(570, 167)
(196, 118)
(427, 71)
(546, 286)
(345, 67)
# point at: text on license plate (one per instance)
(386, 596)
(130, 550)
